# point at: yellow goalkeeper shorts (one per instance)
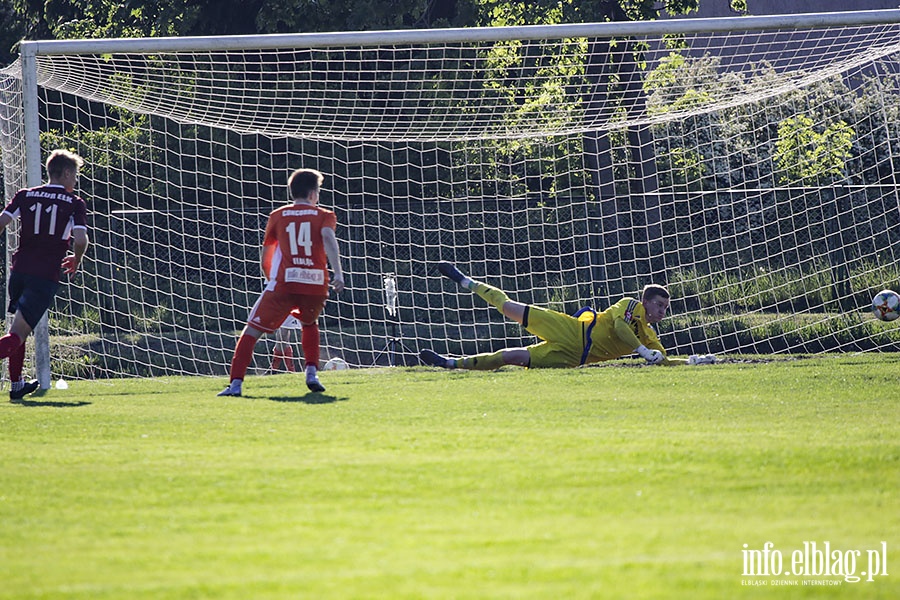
(564, 338)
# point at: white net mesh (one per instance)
(754, 173)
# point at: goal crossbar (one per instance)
(462, 35)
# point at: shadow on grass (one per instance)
(309, 398)
(34, 401)
(50, 403)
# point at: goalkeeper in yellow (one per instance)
(566, 340)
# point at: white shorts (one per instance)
(291, 322)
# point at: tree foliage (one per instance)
(70, 19)
(808, 156)
(58, 19)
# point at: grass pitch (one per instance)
(609, 482)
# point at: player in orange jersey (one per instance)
(298, 247)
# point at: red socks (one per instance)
(243, 352)
(243, 356)
(16, 361)
(9, 343)
(283, 358)
(309, 340)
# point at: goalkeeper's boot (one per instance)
(432, 358)
(233, 389)
(27, 387)
(449, 270)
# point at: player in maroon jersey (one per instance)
(298, 246)
(51, 217)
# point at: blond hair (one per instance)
(61, 161)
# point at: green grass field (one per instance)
(609, 482)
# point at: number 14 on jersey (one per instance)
(299, 237)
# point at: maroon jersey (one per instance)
(48, 214)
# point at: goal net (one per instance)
(749, 164)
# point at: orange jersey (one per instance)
(294, 258)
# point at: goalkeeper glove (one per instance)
(654, 357)
(702, 359)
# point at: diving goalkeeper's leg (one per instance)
(493, 296)
(480, 362)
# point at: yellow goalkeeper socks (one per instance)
(493, 296)
(481, 362)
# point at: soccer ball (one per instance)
(886, 305)
(335, 364)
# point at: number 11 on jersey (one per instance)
(38, 208)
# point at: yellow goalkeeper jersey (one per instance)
(607, 342)
(588, 337)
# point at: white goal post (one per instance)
(748, 163)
